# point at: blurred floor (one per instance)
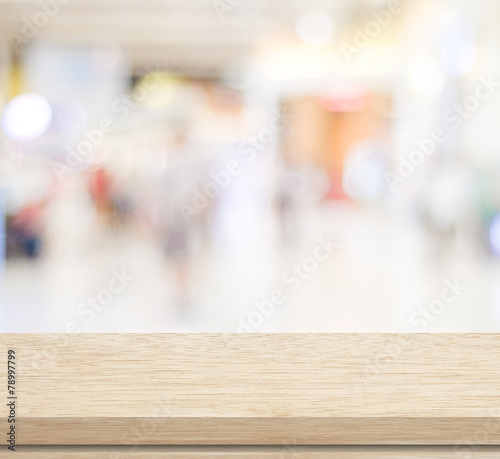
(376, 280)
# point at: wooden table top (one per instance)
(255, 389)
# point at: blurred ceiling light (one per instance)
(291, 68)
(425, 78)
(377, 59)
(294, 62)
(314, 28)
(26, 117)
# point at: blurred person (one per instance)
(180, 234)
(121, 205)
(286, 202)
(24, 231)
(446, 207)
(177, 246)
(100, 184)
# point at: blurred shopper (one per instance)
(121, 206)
(447, 208)
(24, 232)
(180, 231)
(100, 191)
(286, 202)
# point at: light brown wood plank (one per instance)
(304, 452)
(255, 389)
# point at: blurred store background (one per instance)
(249, 165)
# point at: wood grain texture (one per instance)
(295, 389)
(304, 452)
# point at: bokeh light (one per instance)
(26, 117)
